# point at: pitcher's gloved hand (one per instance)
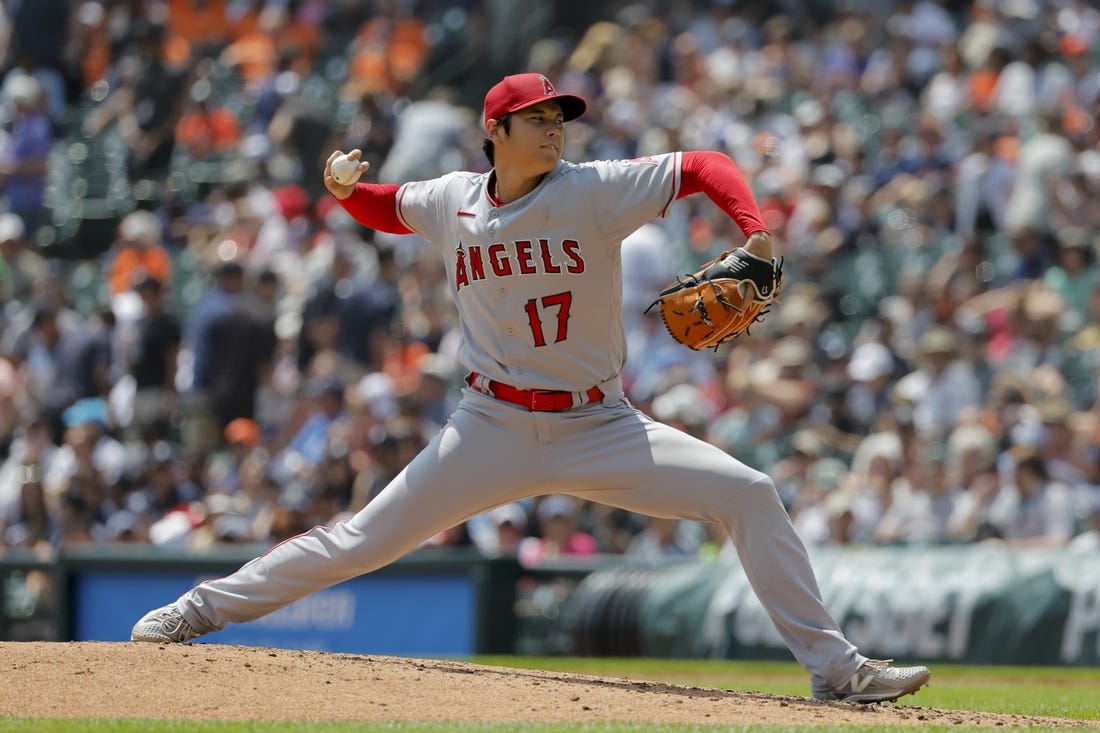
(721, 300)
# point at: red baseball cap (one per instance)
(522, 90)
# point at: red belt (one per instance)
(534, 400)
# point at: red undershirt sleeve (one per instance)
(374, 205)
(716, 175)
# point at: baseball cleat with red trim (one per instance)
(877, 681)
(164, 624)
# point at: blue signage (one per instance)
(421, 614)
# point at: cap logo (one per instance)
(547, 88)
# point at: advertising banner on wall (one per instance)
(972, 604)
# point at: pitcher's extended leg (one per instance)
(667, 473)
(450, 481)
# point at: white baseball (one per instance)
(345, 171)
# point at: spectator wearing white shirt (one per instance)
(1034, 510)
(942, 387)
(923, 502)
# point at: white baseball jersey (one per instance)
(537, 281)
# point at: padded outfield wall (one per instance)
(970, 604)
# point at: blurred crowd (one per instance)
(233, 359)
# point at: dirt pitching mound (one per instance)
(210, 681)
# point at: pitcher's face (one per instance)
(534, 141)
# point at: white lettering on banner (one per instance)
(940, 630)
(332, 610)
(928, 621)
(876, 623)
(752, 626)
(923, 625)
(925, 606)
(959, 622)
(1083, 618)
(928, 615)
(724, 603)
(879, 620)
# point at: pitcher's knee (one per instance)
(743, 495)
(761, 491)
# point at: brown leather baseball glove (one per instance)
(721, 300)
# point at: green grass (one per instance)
(1066, 692)
(1058, 692)
(28, 725)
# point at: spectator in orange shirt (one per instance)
(254, 57)
(206, 129)
(299, 38)
(140, 253)
(387, 54)
(202, 23)
(292, 28)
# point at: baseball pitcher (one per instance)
(532, 254)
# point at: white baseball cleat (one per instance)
(877, 681)
(164, 624)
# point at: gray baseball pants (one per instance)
(492, 452)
